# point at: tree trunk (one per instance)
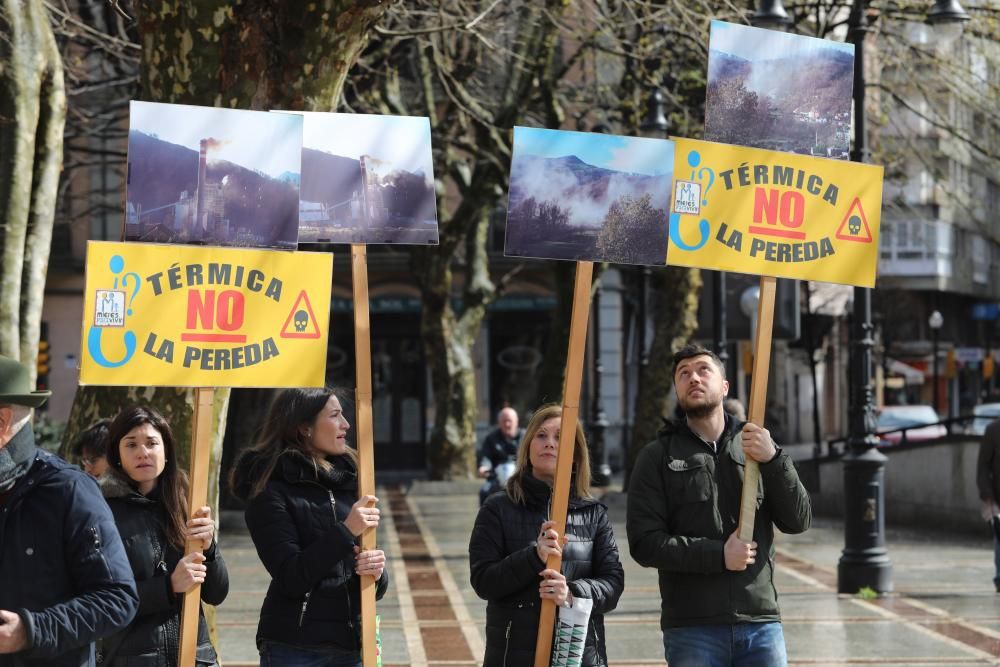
(32, 117)
(448, 340)
(675, 317)
(258, 54)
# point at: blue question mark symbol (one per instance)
(694, 159)
(711, 181)
(135, 290)
(117, 265)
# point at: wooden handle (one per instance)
(758, 401)
(567, 443)
(201, 449)
(365, 437)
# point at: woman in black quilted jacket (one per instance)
(147, 494)
(513, 538)
(304, 515)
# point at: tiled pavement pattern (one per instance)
(944, 611)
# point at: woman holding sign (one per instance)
(513, 538)
(305, 518)
(148, 497)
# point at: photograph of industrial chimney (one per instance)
(208, 176)
(367, 178)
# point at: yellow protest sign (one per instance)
(769, 213)
(190, 316)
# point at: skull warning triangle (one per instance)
(301, 322)
(855, 225)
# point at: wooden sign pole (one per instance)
(201, 449)
(758, 401)
(365, 437)
(567, 437)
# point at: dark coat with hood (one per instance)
(505, 569)
(62, 566)
(297, 526)
(153, 638)
(684, 503)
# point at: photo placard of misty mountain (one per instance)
(396, 206)
(796, 100)
(565, 208)
(241, 206)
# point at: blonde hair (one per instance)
(581, 457)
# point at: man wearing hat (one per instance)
(65, 580)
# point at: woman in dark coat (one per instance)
(513, 538)
(305, 518)
(148, 497)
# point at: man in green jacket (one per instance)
(719, 604)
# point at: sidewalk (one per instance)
(944, 610)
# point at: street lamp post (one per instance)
(865, 560)
(600, 471)
(934, 322)
(770, 14)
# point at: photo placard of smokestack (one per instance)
(366, 202)
(199, 212)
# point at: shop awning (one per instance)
(910, 374)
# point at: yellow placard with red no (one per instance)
(190, 316)
(769, 213)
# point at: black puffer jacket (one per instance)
(296, 523)
(505, 566)
(62, 566)
(153, 638)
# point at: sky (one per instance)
(400, 142)
(757, 44)
(636, 155)
(270, 143)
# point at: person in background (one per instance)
(147, 493)
(65, 580)
(300, 484)
(735, 407)
(988, 482)
(497, 453)
(91, 448)
(513, 538)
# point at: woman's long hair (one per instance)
(291, 412)
(172, 482)
(581, 457)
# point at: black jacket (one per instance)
(62, 566)
(505, 566)
(296, 522)
(497, 448)
(684, 503)
(153, 638)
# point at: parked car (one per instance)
(893, 417)
(983, 414)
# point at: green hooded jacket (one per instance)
(684, 503)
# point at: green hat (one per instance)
(15, 385)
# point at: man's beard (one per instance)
(704, 408)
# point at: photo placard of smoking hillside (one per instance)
(588, 197)
(779, 91)
(209, 176)
(367, 178)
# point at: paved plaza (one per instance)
(944, 611)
